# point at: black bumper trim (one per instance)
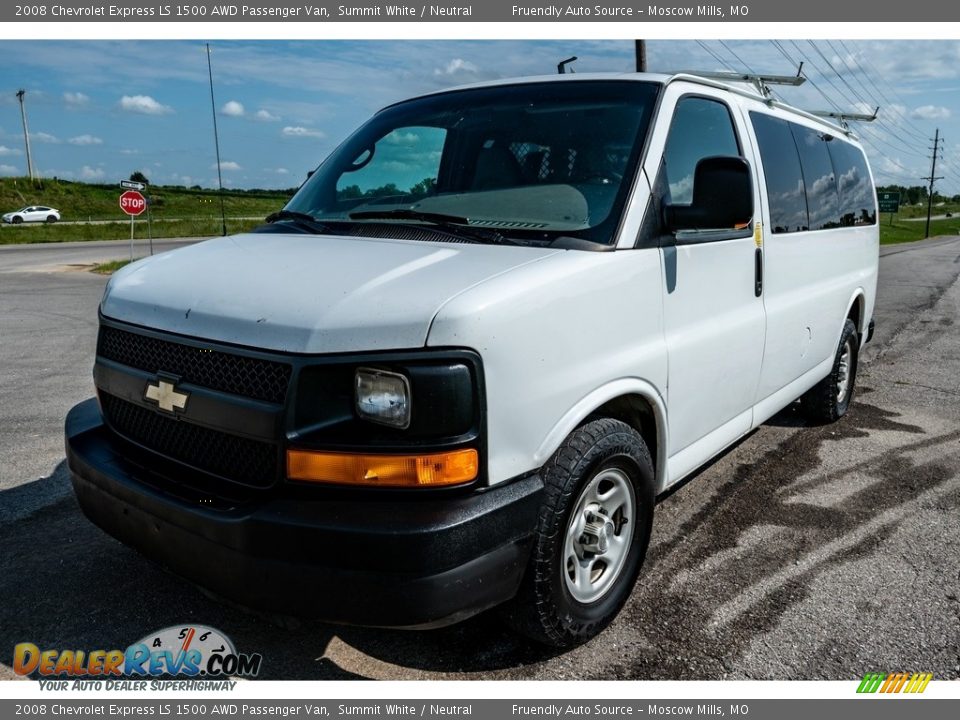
(401, 563)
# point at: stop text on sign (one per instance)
(132, 202)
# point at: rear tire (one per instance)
(591, 537)
(829, 399)
(51, 219)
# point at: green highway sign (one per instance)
(889, 201)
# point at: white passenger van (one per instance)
(456, 371)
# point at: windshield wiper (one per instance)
(454, 224)
(303, 220)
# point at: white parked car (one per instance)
(32, 213)
(459, 367)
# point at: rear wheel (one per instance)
(592, 535)
(51, 218)
(830, 399)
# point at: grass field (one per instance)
(181, 212)
(200, 227)
(902, 231)
(174, 211)
(109, 268)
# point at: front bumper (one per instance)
(399, 562)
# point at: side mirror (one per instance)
(722, 197)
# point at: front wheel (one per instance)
(829, 399)
(591, 536)
(17, 220)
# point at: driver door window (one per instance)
(700, 128)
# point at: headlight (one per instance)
(383, 397)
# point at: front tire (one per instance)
(591, 537)
(829, 399)
(17, 220)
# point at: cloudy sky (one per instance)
(100, 110)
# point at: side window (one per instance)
(857, 197)
(781, 170)
(410, 155)
(823, 204)
(700, 128)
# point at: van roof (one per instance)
(744, 88)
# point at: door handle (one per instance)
(758, 272)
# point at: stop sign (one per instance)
(132, 202)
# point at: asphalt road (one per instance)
(802, 553)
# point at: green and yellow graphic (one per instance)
(894, 682)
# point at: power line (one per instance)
(893, 106)
(897, 140)
(816, 87)
(835, 72)
(716, 57)
(739, 59)
(855, 72)
(866, 140)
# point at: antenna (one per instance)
(760, 82)
(562, 65)
(216, 143)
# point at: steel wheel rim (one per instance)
(599, 535)
(844, 370)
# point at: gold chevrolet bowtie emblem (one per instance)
(165, 395)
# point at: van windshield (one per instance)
(531, 162)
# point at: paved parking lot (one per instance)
(802, 553)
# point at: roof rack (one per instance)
(842, 117)
(760, 82)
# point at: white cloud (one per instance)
(298, 131)
(6, 152)
(143, 104)
(233, 109)
(75, 99)
(85, 140)
(266, 116)
(455, 66)
(930, 112)
(8, 170)
(282, 171)
(89, 173)
(402, 138)
(227, 165)
(44, 137)
(128, 151)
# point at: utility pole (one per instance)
(26, 134)
(933, 177)
(640, 49)
(216, 144)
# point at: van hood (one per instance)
(305, 293)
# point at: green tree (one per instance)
(137, 176)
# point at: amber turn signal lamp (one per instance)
(390, 471)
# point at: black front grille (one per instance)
(241, 460)
(250, 377)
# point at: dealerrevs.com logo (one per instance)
(183, 651)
